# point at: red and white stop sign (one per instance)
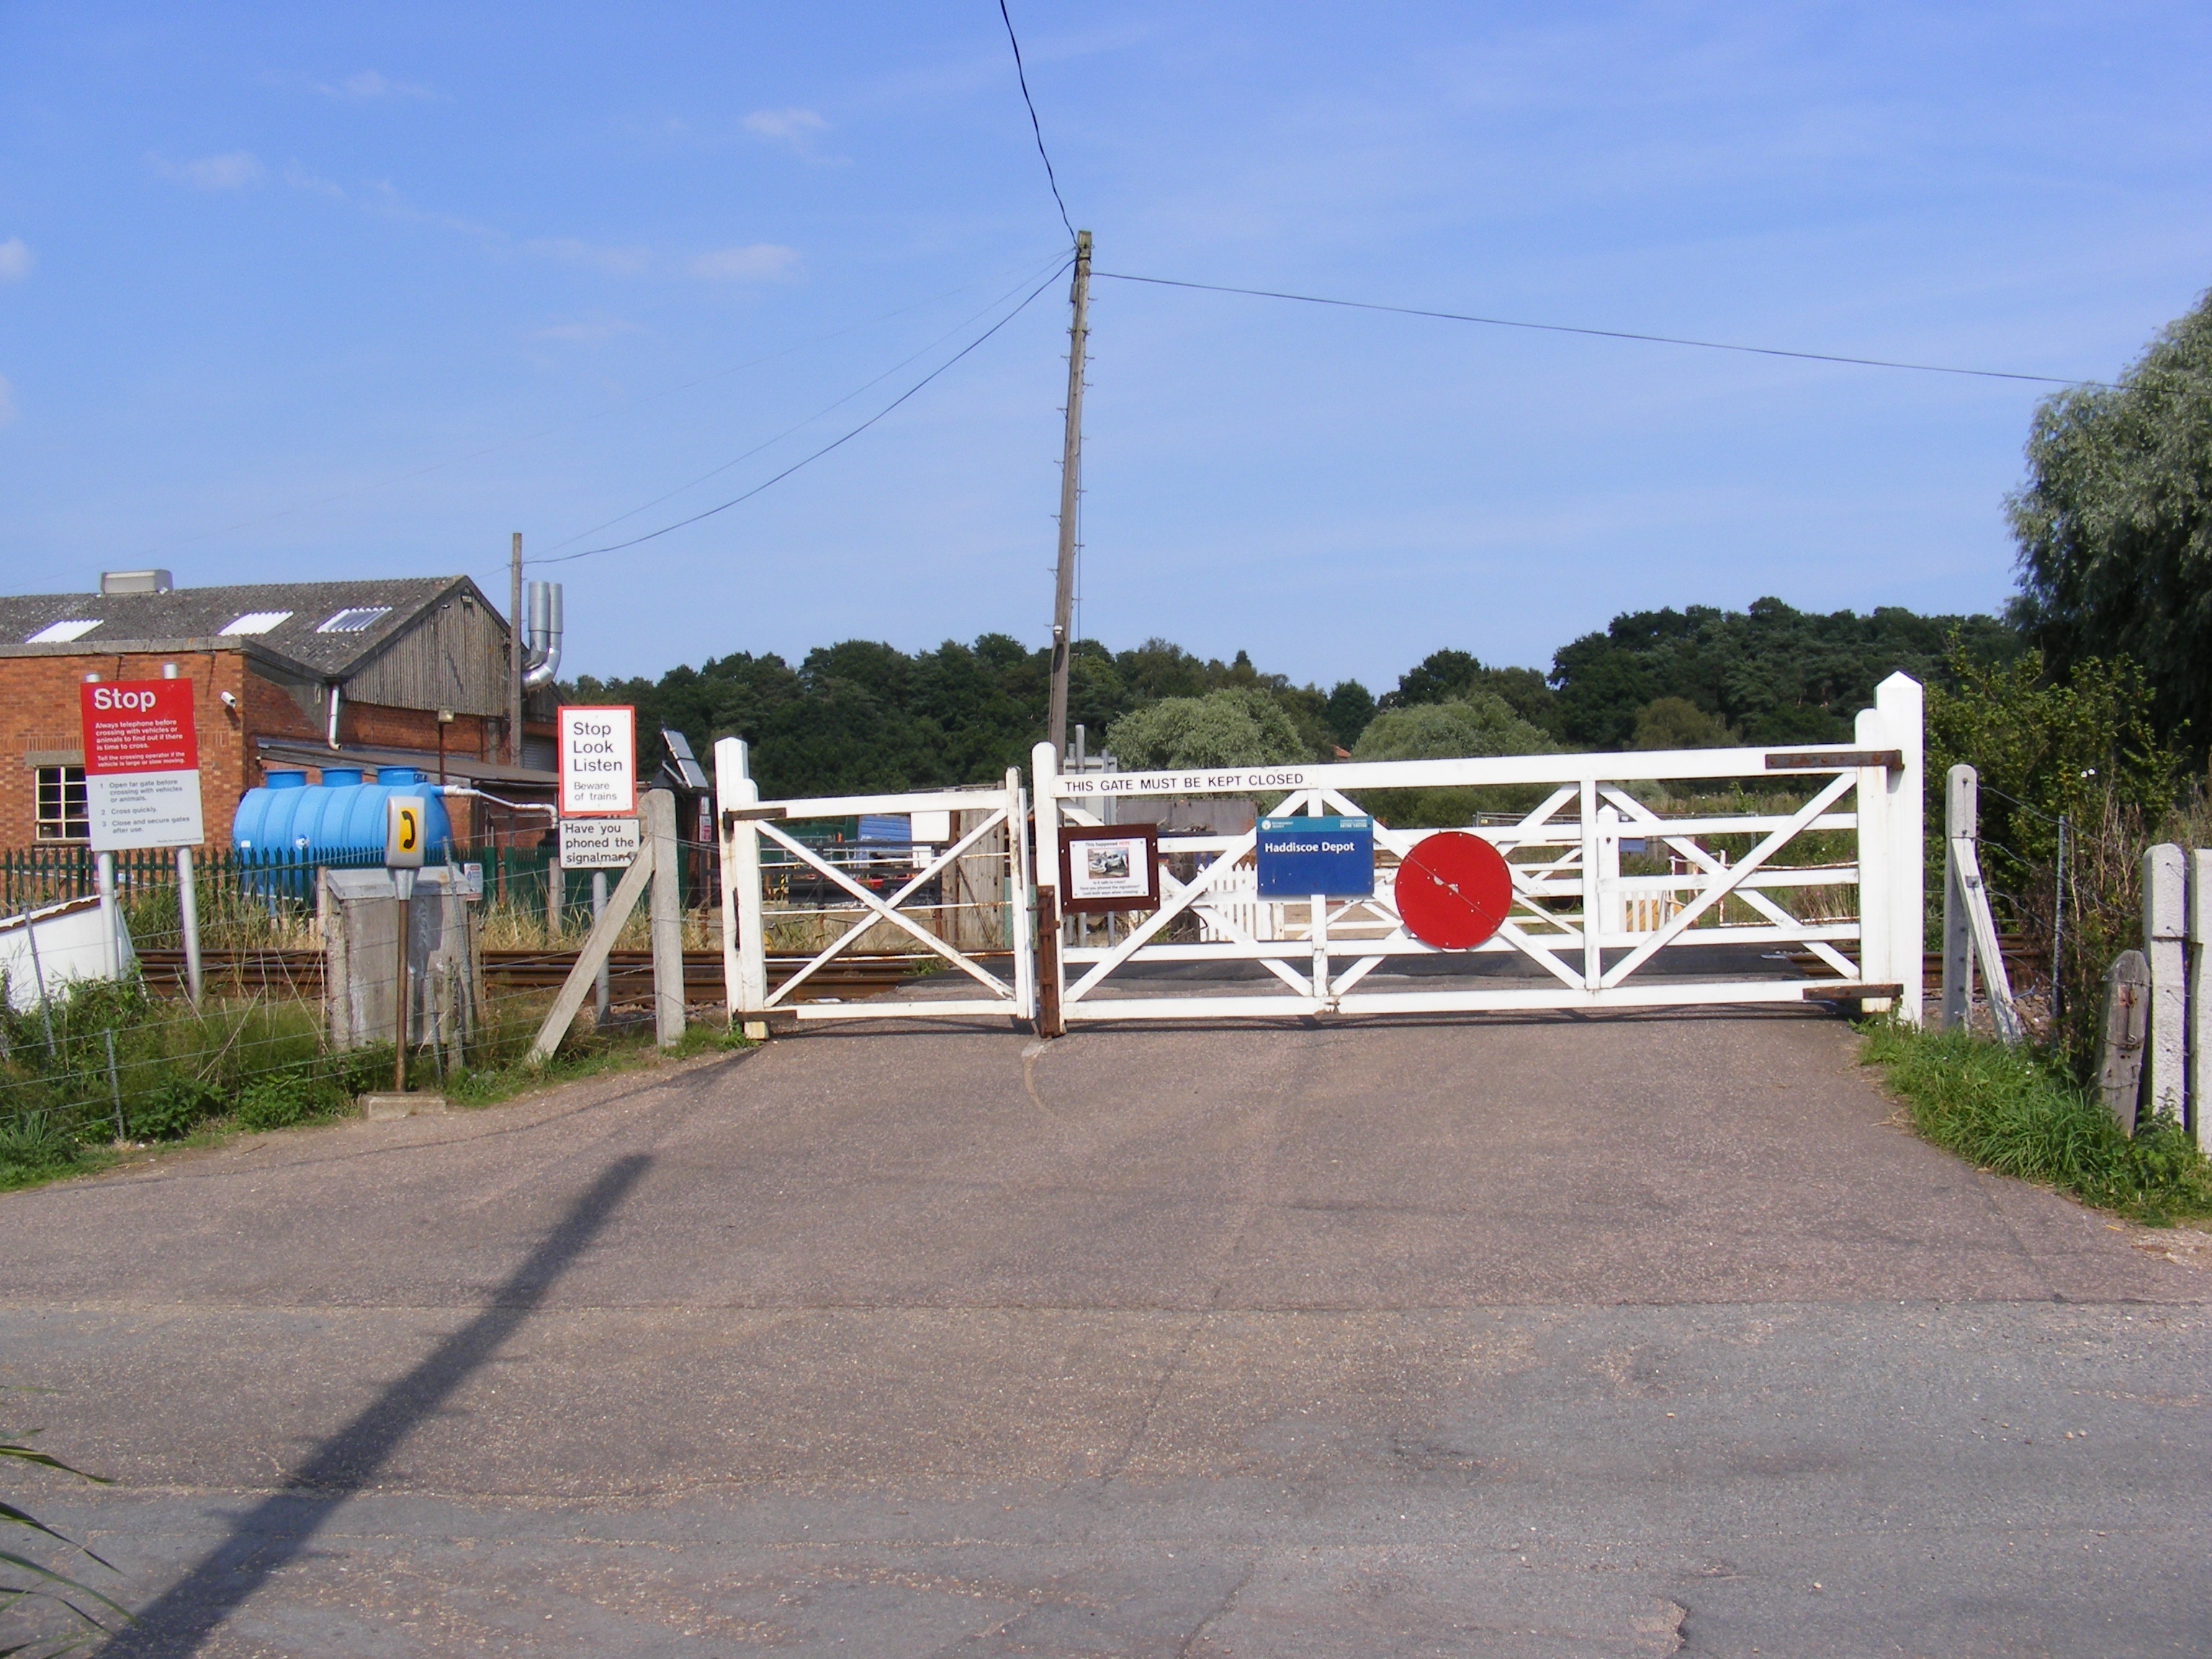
(1454, 891)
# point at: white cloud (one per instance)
(613, 261)
(786, 125)
(794, 130)
(754, 263)
(236, 171)
(15, 260)
(586, 334)
(359, 88)
(6, 401)
(299, 179)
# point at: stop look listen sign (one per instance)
(598, 762)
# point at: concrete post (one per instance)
(665, 909)
(2165, 926)
(2200, 993)
(745, 951)
(1961, 818)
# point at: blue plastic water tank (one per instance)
(338, 821)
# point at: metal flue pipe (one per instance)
(543, 660)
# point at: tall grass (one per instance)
(2012, 1111)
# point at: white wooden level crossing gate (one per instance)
(965, 901)
(1581, 934)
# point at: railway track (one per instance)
(299, 973)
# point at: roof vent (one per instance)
(135, 581)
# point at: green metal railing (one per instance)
(34, 876)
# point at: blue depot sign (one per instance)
(1300, 857)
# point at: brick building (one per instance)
(298, 674)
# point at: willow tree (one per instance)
(2114, 526)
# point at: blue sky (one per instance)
(292, 291)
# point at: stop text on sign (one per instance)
(598, 761)
(142, 758)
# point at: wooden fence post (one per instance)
(585, 972)
(2127, 1018)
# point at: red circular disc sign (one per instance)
(1454, 891)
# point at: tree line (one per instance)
(865, 716)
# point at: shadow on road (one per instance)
(283, 1524)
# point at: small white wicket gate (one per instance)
(1594, 937)
(984, 859)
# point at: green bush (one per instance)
(289, 1098)
(172, 1109)
(34, 1146)
(2009, 1110)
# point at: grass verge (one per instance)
(2011, 1111)
(106, 1071)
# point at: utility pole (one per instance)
(1071, 485)
(514, 655)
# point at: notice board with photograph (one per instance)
(1108, 866)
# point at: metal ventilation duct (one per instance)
(541, 659)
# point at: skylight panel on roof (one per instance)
(355, 620)
(61, 633)
(255, 621)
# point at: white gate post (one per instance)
(2165, 880)
(745, 951)
(1891, 853)
(1592, 901)
(1052, 982)
(2200, 993)
(1614, 915)
(1020, 879)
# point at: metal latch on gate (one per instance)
(732, 815)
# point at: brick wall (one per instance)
(40, 713)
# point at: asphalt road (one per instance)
(1564, 1336)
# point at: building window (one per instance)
(63, 815)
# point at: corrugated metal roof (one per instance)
(289, 618)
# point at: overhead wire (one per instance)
(1022, 75)
(799, 426)
(1598, 333)
(834, 443)
(563, 425)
